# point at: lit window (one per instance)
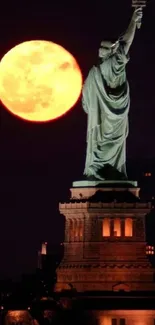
(117, 227)
(148, 174)
(106, 227)
(80, 229)
(150, 250)
(128, 227)
(76, 229)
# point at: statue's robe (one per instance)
(106, 100)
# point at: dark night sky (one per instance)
(38, 162)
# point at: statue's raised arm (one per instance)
(128, 36)
(106, 100)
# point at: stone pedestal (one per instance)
(86, 189)
(105, 248)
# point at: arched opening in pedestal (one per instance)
(121, 287)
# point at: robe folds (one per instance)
(106, 100)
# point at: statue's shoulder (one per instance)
(92, 71)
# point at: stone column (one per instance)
(111, 227)
(87, 228)
(67, 230)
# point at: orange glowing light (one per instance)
(106, 227)
(117, 227)
(39, 80)
(128, 227)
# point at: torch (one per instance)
(138, 4)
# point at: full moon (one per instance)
(39, 80)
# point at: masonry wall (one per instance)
(95, 262)
(131, 317)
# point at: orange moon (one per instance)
(39, 80)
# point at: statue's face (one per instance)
(107, 49)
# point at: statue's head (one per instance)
(108, 48)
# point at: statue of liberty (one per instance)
(106, 100)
